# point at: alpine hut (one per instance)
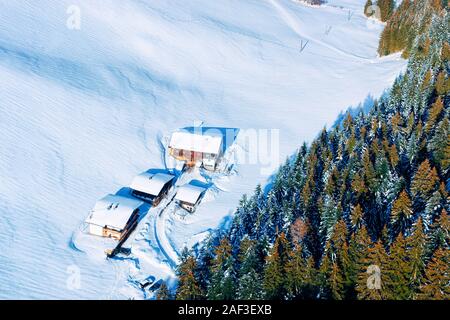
(203, 148)
(152, 188)
(114, 216)
(188, 196)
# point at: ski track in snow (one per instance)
(291, 21)
(84, 111)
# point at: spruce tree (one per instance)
(425, 180)
(436, 283)
(335, 265)
(386, 9)
(433, 206)
(188, 287)
(358, 186)
(434, 113)
(442, 84)
(358, 249)
(163, 292)
(371, 276)
(394, 158)
(343, 260)
(439, 236)
(397, 272)
(296, 272)
(401, 213)
(249, 284)
(222, 286)
(423, 184)
(369, 171)
(439, 144)
(336, 282)
(274, 272)
(416, 244)
(356, 216)
(325, 269)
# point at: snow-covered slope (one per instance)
(83, 111)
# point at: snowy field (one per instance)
(82, 111)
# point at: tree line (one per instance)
(360, 213)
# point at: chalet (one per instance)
(114, 217)
(188, 196)
(196, 148)
(152, 188)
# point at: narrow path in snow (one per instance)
(160, 235)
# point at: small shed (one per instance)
(152, 188)
(114, 216)
(189, 196)
(203, 148)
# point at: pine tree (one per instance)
(370, 285)
(249, 287)
(442, 84)
(296, 272)
(386, 9)
(396, 122)
(188, 287)
(434, 113)
(423, 184)
(249, 284)
(424, 180)
(326, 265)
(335, 268)
(436, 284)
(433, 207)
(336, 282)
(274, 280)
(393, 155)
(427, 80)
(343, 261)
(397, 271)
(359, 244)
(358, 186)
(330, 213)
(416, 244)
(222, 285)
(439, 144)
(310, 288)
(163, 292)
(369, 171)
(356, 216)
(273, 277)
(445, 55)
(298, 230)
(401, 213)
(445, 163)
(439, 236)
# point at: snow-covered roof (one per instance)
(151, 183)
(113, 211)
(189, 193)
(206, 143)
